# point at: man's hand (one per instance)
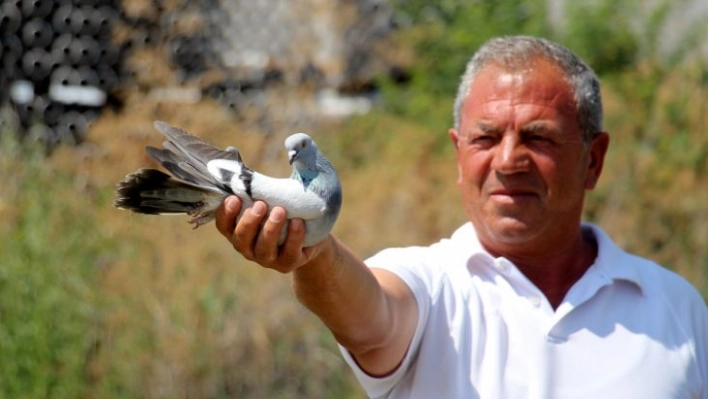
(258, 241)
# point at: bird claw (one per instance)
(199, 218)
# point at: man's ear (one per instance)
(598, 149)
(454, 137)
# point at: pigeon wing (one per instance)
(186, 148)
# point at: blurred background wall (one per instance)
(96, 302)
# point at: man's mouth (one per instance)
(512, 195)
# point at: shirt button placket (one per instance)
(500, 265)
(535, 300)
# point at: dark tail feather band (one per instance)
(148, 191)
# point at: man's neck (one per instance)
(555, 272)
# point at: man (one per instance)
(523, 301)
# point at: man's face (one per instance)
(523, 166)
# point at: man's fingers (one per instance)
(246, 231)
(266, 249)
(258, 238)
(226, 215)
(291, 250)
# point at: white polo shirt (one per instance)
(627, 329)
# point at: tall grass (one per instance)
(50, 254)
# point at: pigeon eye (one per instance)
(303, 144)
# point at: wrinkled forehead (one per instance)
(539, 81)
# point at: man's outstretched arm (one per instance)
(372, 313)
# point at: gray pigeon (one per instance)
(203, 176)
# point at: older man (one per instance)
(523, 301)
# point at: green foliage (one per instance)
(444, 35)
(601, 33)
(49, 254)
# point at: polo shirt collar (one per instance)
(611, 263)
(466, 245)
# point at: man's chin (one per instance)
(512, 231)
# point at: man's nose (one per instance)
(511, 155)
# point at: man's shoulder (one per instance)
(660, 280)
(654, 280)
(423, 259)
(462, 244)
(429, 265)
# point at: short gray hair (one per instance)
(520, 51)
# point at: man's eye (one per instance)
(479, 139)
(538, 138)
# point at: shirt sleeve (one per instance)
(700, 310)
(407, 264)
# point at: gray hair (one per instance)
(520, 51)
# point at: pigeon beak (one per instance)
(292, 154)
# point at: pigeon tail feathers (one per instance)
(152, 192)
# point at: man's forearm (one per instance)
(374, 323)
(345, 294)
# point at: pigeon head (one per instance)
(302, 151)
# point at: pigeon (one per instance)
(202, 176)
